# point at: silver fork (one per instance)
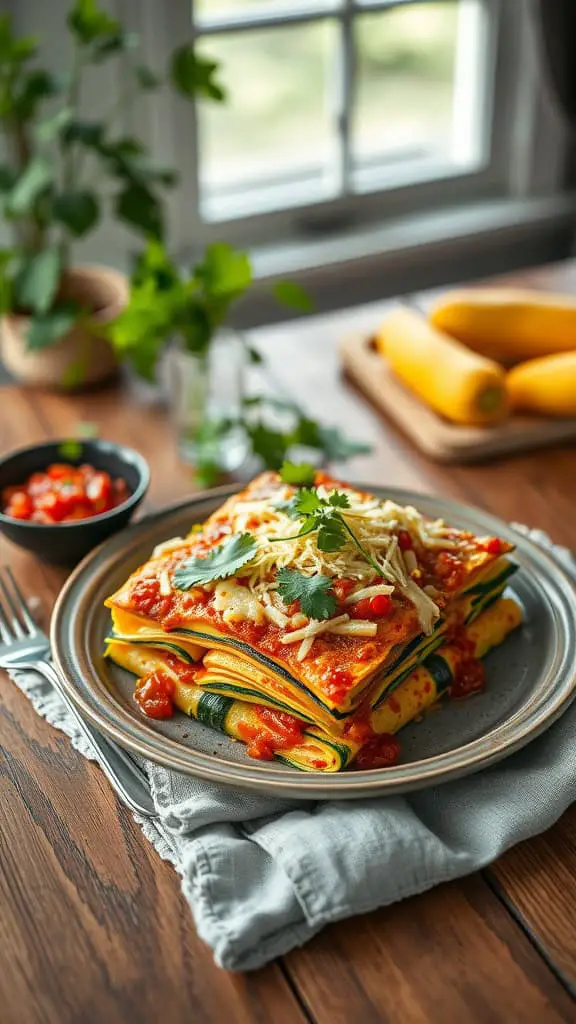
(23, 645)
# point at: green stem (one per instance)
(360, 547)
(67, 152)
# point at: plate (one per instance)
(530, 678)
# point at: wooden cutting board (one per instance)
(437, 437)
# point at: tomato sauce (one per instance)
(278, 731)
(379, 752)
(154, 695)
(64, 494)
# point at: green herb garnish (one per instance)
(298, 474)
(223, 561)
(313, 592)
(324, 517)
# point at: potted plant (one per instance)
(184, 315)
(51, 195)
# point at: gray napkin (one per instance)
(262, 875)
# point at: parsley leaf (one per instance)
(306, 502)
(300, 474)
(313, 592)
(338, 500)
(223, 561)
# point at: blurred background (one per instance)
(367, 147)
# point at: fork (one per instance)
(23, 645)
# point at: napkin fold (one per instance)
(263, 875)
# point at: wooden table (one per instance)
(92, 924)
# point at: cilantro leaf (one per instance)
(300, 474)
(313, 592)
(331, 537)
(339, 500)
(306, 502)
(223, 561)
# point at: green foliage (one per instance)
(219, 564)
(289, 293)
(79, 211)
(47, 188)
(313, 593)
(46, 328)
(194, 75)
(298, 474)
(37, 283)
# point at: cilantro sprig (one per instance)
(313, 592)
(324, 517)
(221, 562)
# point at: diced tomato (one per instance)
(404, 540)
(343, 588)
(361, 609)
(338, 684)
(64, 493)
(493, 546)
(371, 607)
(380, 605)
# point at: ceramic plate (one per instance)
(530, 678)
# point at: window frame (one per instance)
(524, 162)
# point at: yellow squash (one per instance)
(508, 325)
(458, 384)
(545, 386)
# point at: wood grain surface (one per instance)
(92, 924)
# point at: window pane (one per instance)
(403, 104)
(278, 126)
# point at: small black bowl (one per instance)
(67, 543)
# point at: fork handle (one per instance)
(124, 775)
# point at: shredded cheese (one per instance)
(359, 595)
(167, 546)
(360, 627)
(375, 523)
(165, 585)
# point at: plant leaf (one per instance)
(291, 294)
(225, 272)
(79, 211)
(34, 179)
(7, 179)
(313, 592)
(139, 207)
(35, 87)
(269, 444)
(194, 76)
(306, 502)
(116, 42)
(220, 563)
(89, 133)
(300, 474)
(146, 78)
(52, 127)
(88, 22)
(37, 282)
(47, 328)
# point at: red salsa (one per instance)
(154, 695)
(64, 494)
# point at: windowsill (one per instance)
(416, 235)
(413, 253)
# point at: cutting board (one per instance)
(437, 437)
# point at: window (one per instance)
(344, 113)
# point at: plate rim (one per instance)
(141, 739)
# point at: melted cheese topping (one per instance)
(375, 523)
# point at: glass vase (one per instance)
(206, 392)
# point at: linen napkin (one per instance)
(263, 875)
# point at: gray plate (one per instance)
(530, 678)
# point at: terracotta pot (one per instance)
(100, 289)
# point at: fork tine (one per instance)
(21, 605)
(12, 618)
(5, 632)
